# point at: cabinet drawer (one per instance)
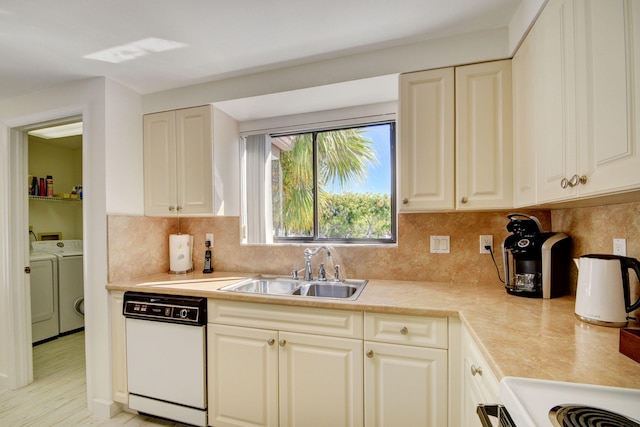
(408, 330)
(337, 323)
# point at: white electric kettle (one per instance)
(603, 294)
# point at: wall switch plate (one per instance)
(486, 240)
(440, 244)
(620, 247)
(209, 238)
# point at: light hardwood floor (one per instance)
(58, 397)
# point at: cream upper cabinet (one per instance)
(587, 111)
(405, 371)
(484, 136)
(455, 138)
(178, 159)
(426, 140)
(525, 80)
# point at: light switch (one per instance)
(439, 244)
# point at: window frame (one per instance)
(316, 239)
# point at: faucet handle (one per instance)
(336, 273)
(294, 274)
(322, 274)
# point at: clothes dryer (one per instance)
(44, 296)
(70, 281)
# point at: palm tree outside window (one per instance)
(331, 185)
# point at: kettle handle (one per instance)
(634, 264)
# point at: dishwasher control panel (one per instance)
(165, 308)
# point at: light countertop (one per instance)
(519, 337)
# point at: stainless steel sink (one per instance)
(266, 285)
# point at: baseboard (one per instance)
(4, 382)
(106, 408)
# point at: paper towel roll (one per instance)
(180, 253)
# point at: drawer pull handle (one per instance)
(404, 330)
(369, 354)
(464, 200)
(405, 201)
(476, 370)
(282, 343)
(271, 341)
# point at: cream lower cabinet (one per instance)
(479, 383)
(271, 365)
(405, 371)
(119, 385)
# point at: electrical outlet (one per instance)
(486, 240)
(209, 238)
(620, 247)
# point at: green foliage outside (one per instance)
(343, 157)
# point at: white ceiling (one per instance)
(44, 43)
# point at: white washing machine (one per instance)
(70, 281)
(44, 296)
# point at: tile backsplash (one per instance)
(138, 246)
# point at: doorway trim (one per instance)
(20, 361)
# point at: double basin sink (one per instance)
(283, 286)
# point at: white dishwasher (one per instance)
(166, 356)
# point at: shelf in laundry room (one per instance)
(54, 198)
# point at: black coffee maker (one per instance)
(536, 263)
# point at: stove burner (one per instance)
(587, 416)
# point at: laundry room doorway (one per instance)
(55, 221)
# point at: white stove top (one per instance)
(58, 247)
(529, 401)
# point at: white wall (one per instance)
(111, 117)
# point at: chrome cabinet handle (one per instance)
(172, 208)
(282, 343)
(404, 330)
(464, 200)
(405, 200)
(179, 208)
(564, 183)
(271, 341)
(577, 180)
(369, 354)
(476, 370)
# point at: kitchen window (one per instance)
(327, 185)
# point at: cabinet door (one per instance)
(609, 148)
(160, 184)
(479, 383)
(426, 140)
(405, 386)
(524, 78)
(555, 103)
(320, 381)
(242, 370)
(484, 137)
(194, 158)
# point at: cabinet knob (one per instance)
(172, 208)
(476, 370)
(464, 200)
(404, 330)
(271, 341)
(369, 354)
(282, 343)
(179, 208)
(405, 200)
(577, 180)
(564, 183)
